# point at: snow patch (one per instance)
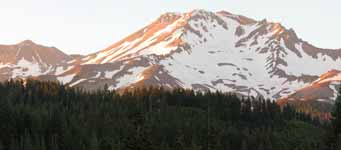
(26, 68)
(130, 77)
(66, 79)
(77, 82)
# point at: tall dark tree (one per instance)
(336, 121)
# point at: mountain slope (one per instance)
(325, 88)
(210, 51)
(27, 59)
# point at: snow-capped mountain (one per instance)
(27, 59)
(202, 50)
(211, 51)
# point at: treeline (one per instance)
(38, 115)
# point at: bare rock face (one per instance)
(324, 89)
(200, 50)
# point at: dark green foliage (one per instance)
(48, 116)
(334, 140)
(337, 115)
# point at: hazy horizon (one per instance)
(87, 26)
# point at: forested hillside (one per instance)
(38, 115)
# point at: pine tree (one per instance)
(337, 120)
(106, 87)
(180, 142)
(337, 115)
(14, 144)
(42, 144)
(1, 145)
(94, 143)
(244, 145)
(194, 146)
(28, 143)
(333, 136)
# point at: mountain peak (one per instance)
(27, 42)
(195, 11)
(168, 17)
(168, 34)
(32, 53)
(224, 12)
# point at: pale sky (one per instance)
(86, 26)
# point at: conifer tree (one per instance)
(94, 143)
(337, 120)
(1, 145)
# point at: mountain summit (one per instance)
(204, 50)
(166, 35)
